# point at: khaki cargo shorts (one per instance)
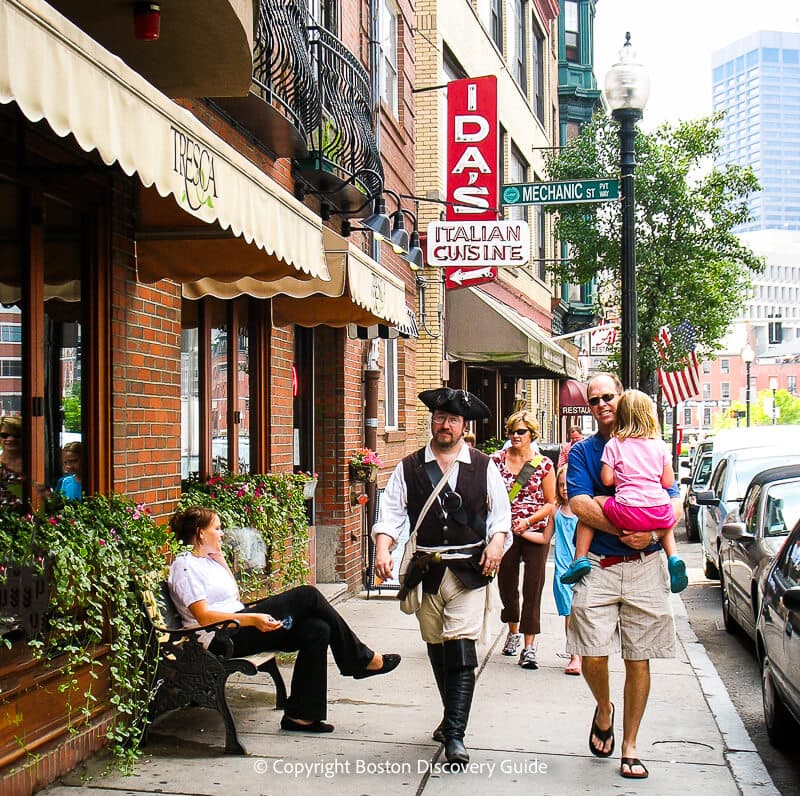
(625, 605)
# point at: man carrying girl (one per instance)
(637, 464)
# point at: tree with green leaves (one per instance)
(689, 265)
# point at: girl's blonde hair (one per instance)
(636, 416)
(526, 418)
(561, 471)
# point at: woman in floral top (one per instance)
(532, 508)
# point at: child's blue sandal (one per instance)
(677, 574)
(577, 570)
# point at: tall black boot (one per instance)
(436, 657)
(460, 660)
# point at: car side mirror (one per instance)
(706, 498)
(735, 531)
(791, 598)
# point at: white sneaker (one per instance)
(527, 660)
(513, 643)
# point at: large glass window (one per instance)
(215, 387)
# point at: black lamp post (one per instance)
(748, 355)
(627, 89)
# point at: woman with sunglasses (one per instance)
(532, 492)
(11, 455)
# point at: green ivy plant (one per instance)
(103, 551)
(273, 504)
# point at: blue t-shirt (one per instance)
(583, 478)
(70, 487)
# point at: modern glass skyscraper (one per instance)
(756, 81)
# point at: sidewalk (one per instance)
(528, 731)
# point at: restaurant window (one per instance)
(496, 15)
(51, 359)
(706, 416)
(215, 387)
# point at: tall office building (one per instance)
(756, 81)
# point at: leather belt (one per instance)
(610, 561)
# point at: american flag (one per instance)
(678, 347)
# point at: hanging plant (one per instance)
(274, 505)
(101, 552)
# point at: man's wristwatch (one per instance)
(654, 537)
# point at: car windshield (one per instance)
(782, 508)
(745, 469)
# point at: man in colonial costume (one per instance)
(469, 524)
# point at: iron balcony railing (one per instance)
(282, 72)
(343, 143)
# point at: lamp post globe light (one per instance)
(773, 385)
(748, 355)
(627, 90)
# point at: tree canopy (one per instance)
(689, 265)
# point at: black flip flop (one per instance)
(630, 762)
(602, 735)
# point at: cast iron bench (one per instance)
(190, 675)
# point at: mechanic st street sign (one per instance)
(567, 192)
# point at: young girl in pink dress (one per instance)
(637, 464)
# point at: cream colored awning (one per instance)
(360, 291)
(54, 71)
(482, 329)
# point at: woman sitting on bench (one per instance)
(204, 591)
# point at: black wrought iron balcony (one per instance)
(283, 106)
(343, 163)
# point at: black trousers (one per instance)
(316, 626)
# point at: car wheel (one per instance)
(778, 720)
(710, 569)
(727, 619)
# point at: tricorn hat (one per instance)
(455, 402)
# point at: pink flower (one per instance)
(101, 543)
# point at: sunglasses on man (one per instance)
(606, 397)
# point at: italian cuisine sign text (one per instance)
(490, 243)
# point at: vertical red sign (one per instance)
(472, 152)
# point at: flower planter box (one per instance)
(367, 473)
(37, 715)
(309, 488)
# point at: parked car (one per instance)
(730, 478)
(778, 642)
(770, 509)
(698, 480)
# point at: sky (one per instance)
(675, 41)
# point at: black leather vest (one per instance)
(436, 529)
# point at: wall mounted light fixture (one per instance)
(146, 21)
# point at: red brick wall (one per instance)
(145, 367)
